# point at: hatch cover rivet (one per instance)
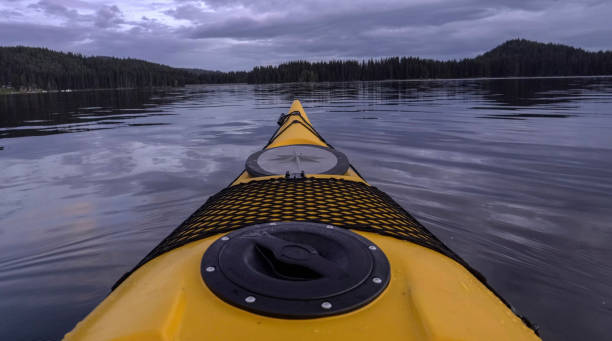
(372, 247)
(249, 299)
(377, 280)
(326, 305)
(226, 238)
(329, 226)
(210, 269)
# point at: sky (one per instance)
(239, 34)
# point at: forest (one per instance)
(27, 68)
(514, 58)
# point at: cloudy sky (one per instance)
(239, 34)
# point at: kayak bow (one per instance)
(301, 247)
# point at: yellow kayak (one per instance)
(301, 247)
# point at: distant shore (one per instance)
(39, 69)
(10, 91)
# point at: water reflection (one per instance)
(57, 113)
(517, 93)
(524, 198)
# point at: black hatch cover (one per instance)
(295, 269)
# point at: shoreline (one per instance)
(6, 91)
(42, 91)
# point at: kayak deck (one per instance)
(432, 294)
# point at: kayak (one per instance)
(299, 247)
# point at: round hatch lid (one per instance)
(295, 269)
(295, 159)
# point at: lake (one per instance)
(514, 175)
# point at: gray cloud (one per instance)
(108, 16)
(54, 8)
(10, 14)
(186, 12)
(239, 34)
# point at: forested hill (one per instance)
(521, 57)
(28, 68)
(36, 68)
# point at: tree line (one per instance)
(27, 68)
(39, 68)
(514, 58)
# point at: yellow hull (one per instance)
(429, 297)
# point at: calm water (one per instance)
(514, 175)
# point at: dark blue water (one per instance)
(514, 175)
